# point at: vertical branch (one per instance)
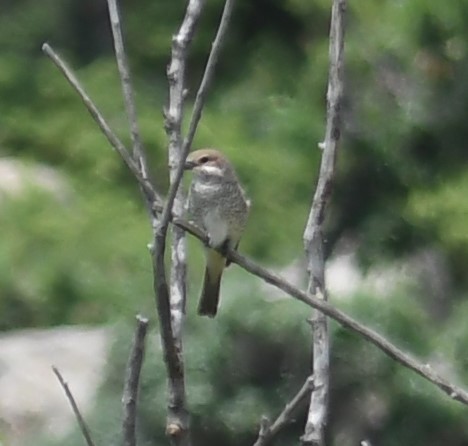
(171, 311)
(127, 90)
(172, 305)
(313, 234)
(178, 151)
(174, 115)
(171, 123)
(132, 382)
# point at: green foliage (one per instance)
(69, 262)
(402, 183)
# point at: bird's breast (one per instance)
(221, 209)
(216, 226)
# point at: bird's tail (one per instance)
(209, 299)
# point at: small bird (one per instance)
(218, 205)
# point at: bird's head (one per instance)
(210, 164)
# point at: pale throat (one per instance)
(208, 179)
(211, 172)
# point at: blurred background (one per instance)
(74, 267)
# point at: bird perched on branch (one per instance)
(217, 204)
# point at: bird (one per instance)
(217, 204)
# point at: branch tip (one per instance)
(142, 319)
(173, 430)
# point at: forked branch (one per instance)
(269, 431)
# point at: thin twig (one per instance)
(102, 123)
(267, 431)
(127, 90)
(405, 359)
(132, 382)
(313, 235)
(208, 74)
(81, 422)
(95, 113)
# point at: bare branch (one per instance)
(208, 75)
(114, 141)
(171, 305)
(368, 334)
(127, 90)
(268, 432)
(81, 422)
(132, 381)
(423, 370)
(173, 124)
(313, 234)
(178, 152)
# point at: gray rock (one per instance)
(17, 176)
(31, 399)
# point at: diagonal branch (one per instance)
(132, 382)
(267, 431)
(368, 334)
(313, 234)
(113, 139)
(79, 418)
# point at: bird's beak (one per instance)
(189, 165)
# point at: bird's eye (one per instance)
(204, 159)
